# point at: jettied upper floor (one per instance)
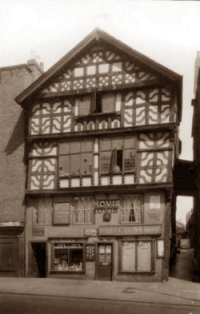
(100, 62)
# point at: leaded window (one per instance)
(75, 158)
(117, 155)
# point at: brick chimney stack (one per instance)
(35, 65)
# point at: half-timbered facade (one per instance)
(101, 142)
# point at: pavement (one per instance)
(171, 292)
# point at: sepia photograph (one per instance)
(99, 157)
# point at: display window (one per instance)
(68, 257)
(137, 256)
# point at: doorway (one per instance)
(38, 260)
(104, 262)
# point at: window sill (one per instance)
(96, 114)
(135, 272)
(135, 223)
(62, 272)
(75, 176)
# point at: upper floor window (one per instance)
(98, 102)
(131, 211)
(75, 158)
(117, 155)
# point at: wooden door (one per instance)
(104, 262)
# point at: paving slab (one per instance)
(174, 291)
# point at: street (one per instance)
(28, 304)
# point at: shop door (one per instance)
(38, 260)
(104, 262)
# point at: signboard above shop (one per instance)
(130, 230)
(90, 232)
(61, 214)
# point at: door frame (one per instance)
(30, 252)
(97, 255)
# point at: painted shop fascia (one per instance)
(102, 138)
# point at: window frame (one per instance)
(68, 271)
(96, 103)
(80, 154)
(90, 211)
(136, 241)
(141, 212)
(122, 150)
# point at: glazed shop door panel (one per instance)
(104, 262)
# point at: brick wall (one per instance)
(13, 80)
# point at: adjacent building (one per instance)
(195, 218)
(101, 131)
(13, 80)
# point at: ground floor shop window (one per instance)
(136, 256)
(68, 257)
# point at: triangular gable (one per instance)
(101, 68)
(146, 66)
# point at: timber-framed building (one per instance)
(101, 144)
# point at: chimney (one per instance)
(35, 65)
(196, 70)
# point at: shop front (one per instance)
(113, 237)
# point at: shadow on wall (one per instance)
(17, 137)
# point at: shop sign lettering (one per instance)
(66, 240)
(107, 204)
(102, 207)
(130, 230)
(90, 232)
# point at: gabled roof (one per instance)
(92, 38)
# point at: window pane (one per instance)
(105, 145)
(105, 162)
(61, 259)
(129, 142)
(117, 143)
(83, 216)
(85, 105)
(64, 148)
(75, 147)
(131, 208)
(68, 257)
(144, 256)
(75, 260)
(86, 163)
(86, 146)
(108, 102)
(75, 165)
(128, 256)
(129, 160)
(64, 166)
